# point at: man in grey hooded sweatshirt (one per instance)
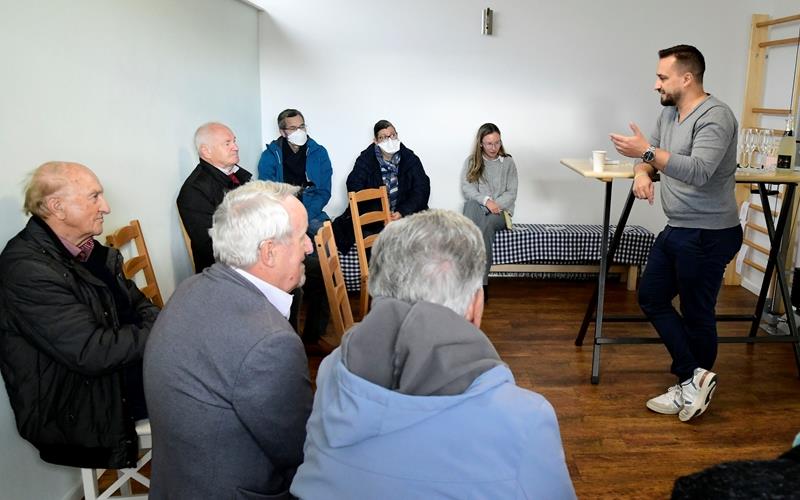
(416, 403)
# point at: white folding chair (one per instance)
(124, 476)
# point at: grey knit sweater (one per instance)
(499, 182)
(697, 185)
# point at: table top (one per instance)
(624, 170)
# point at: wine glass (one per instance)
(740, 148)
(764, 143)
(759, 147)
(772, 153)
(749, 146)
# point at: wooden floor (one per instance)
(615, 447)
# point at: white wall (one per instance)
(119, 86)
(556, 77)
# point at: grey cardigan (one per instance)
(499, 182)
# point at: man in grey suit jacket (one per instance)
(226, 376)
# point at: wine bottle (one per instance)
(786, 149)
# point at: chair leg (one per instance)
(125, 488)
(89, 478)
(122, 484)
(364, 301)
(633, 277)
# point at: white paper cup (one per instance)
(598, 160)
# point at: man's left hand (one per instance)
(632, 146)
(395, 216)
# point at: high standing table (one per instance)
(594, 311)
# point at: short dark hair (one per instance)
(689, 58)
(288, 113)
(382, 124)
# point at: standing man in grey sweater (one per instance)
(693, 147)
(226, 379)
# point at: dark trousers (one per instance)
(688, 263)
(315, 297)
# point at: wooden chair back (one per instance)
(139, 263)
(365, 242)
(341, 315)
(188, 242)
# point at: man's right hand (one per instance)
(644, 188)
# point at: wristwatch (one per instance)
(649, 154)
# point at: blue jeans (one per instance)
(688, 263)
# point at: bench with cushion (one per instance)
(540, 250)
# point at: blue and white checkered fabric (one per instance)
(568, 244)
(351, 270)
(544, 244)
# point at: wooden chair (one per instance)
(139, 263)
(329, 264)
(363, 243)
(188, 242)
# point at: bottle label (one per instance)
(784, 161)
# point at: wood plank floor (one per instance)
(615, 447)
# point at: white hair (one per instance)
(436, 256)
(247, 216)
(203, 134)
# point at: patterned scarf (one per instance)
(86, 250)
(389, 174)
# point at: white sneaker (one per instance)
(669, 403)
(697, 393)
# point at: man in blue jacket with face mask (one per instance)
(297, 159)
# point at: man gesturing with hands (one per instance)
(693, 148)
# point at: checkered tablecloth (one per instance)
(567, 244)
(544, 244)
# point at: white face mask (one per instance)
(390, 146)
(298, 137)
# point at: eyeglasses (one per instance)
(382, 138)
(492, 144)
(295, 129)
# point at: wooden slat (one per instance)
(755, 246)
(772, 111)
(759, 208)
(778, 20)
(371, 217)
(756, 227)
(755, 265)
(133, 265)
(781, 41)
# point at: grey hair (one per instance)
(203, 134)
(436, 256)
(247, 216)
(288, 113)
